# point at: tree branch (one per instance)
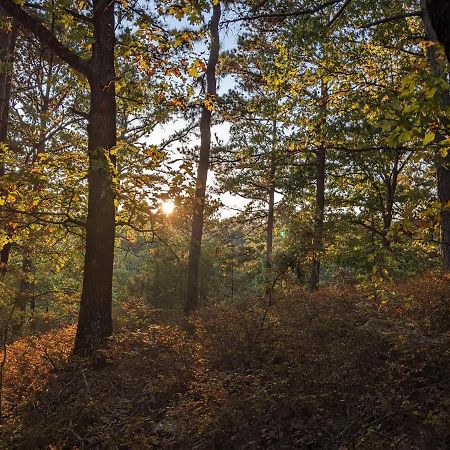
(34, 25)
(301, 12)
(335, 18)
(392, 19)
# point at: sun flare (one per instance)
(168, 207)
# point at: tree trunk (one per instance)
(319, 216)
(7, 46)
(95, 317)
(318, 219)
(438, 12)
(270, 215)
(25, 290)
(191, 299)
(433, 31)
(391, 182)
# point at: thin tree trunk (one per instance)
(270, 215)
(191, 299)
(443, 167)
(319, 216)
(7, 47)
(391, 183)
(24, 293)
(95, 317)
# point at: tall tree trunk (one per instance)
(270, 215)
(319, 214)
(438, 13)
(95, 317)
(7, 46)
(433, 14)
(191, 299)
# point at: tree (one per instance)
(434, 13)
(95, 317)
(439, 11)
(191, 300)
(8, 35)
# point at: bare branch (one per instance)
(392, 19)
(282, 15)
(335, 18)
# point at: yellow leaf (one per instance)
(193, 72)
(429, 137)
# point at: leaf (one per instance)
(193, 72)
(429, 137)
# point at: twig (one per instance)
(392, 19)
(283, 15)
(269, 305)
(86, 384)
(50, 359)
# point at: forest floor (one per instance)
(342, 368)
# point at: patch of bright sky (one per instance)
(232, 204)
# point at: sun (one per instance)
(168, 207)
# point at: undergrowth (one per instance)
(334, 369)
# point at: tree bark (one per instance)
(191, 299)
(434, 12)
(7, 47)
(438, 12)
(319, 215)
(95, 317)
(318, 219)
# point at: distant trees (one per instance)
(332, 107)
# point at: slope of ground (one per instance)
(338, 369)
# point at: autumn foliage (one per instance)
(341, 368)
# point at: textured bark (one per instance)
(436, 18)
(7, 46)
(443, 175)
(191, 299)
(95, 317)
(439, 13)
(319, 214)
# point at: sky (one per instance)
(228, 35)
